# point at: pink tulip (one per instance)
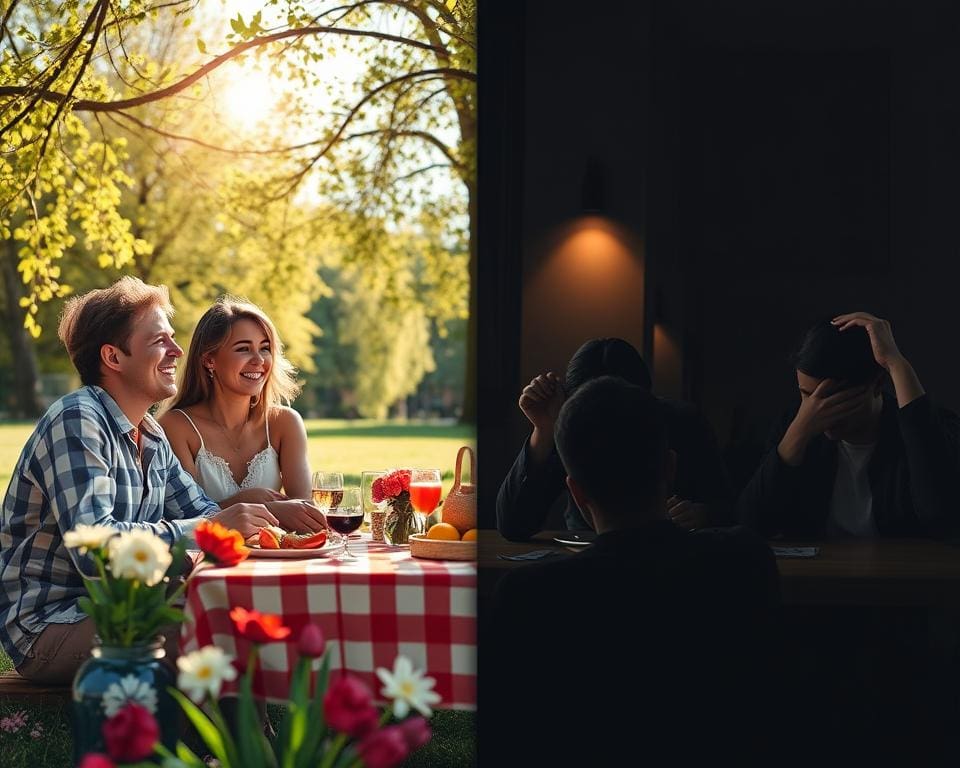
(131, 734)
(96, 760)
(416, 730)
(385, 748)
(312, 642)
(348, 707)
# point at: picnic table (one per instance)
(371, 609)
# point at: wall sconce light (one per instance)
(592, 187)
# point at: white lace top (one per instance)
(216, 479)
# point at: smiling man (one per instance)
(852, 460)
(98, 458)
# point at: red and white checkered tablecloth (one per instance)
(382, 604)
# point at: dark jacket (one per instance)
(914, 478)
(653, 642)
(528, 492)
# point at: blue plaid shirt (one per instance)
(82, 465)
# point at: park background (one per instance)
(315, 158)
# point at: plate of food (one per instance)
(276, 543)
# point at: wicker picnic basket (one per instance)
(460, 507)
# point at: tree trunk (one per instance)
(25, 379)
(469, 415)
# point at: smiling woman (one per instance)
(230, 424)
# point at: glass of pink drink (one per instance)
(425, 490)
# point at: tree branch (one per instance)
(425, 135)
(57, 68)
(298, 177)
(86, 105)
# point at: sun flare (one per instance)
(249, 98)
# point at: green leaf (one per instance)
(201, 46)
(210, 735)
(249, 729)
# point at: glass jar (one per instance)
(402, 520)
(114, 676)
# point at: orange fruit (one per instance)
(443, 531)
(470, 535)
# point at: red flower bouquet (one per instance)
(402, 520)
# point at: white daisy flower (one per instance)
(139, 555)
(129, 690)
(203, 672)
(408, 688)
(84, 537)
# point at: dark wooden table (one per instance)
(856, 572)
(882, 579)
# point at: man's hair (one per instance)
(105, 316)
(827, 353)
(211, 333)
(606, 357)
(612, 439)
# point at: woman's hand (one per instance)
(256, 496)
(886, 353)
(298, 516)
(885, 350)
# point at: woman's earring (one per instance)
(210, 372)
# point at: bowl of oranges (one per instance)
(444, 541)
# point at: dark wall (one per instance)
(767, 163)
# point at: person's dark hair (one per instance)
(606, 357)
(827, 353)
(105, 316)
(612, 440)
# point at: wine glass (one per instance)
(345, 517)
(327, 489)
(425, 490)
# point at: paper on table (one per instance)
(796, 551)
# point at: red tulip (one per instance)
(258, 627)
(222, 545)
(96, 760)
(416, 730)
(131, 734)
(312, 642)
(348, 707)
(385, 748)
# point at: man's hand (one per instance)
(822, 409)
(689, 515)
(541, 400)
(885, 350)
(248, 519)
(298, 516)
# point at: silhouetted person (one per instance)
(852, 460)
(654, 641)
(701, 496)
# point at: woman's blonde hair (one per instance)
(211, 333)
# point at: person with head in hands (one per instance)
(702, 494)
(97, 457)
(230, 423)
(853, 460)
(652, 642)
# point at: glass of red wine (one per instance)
(345, 517)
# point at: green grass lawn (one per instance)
(346, 446)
